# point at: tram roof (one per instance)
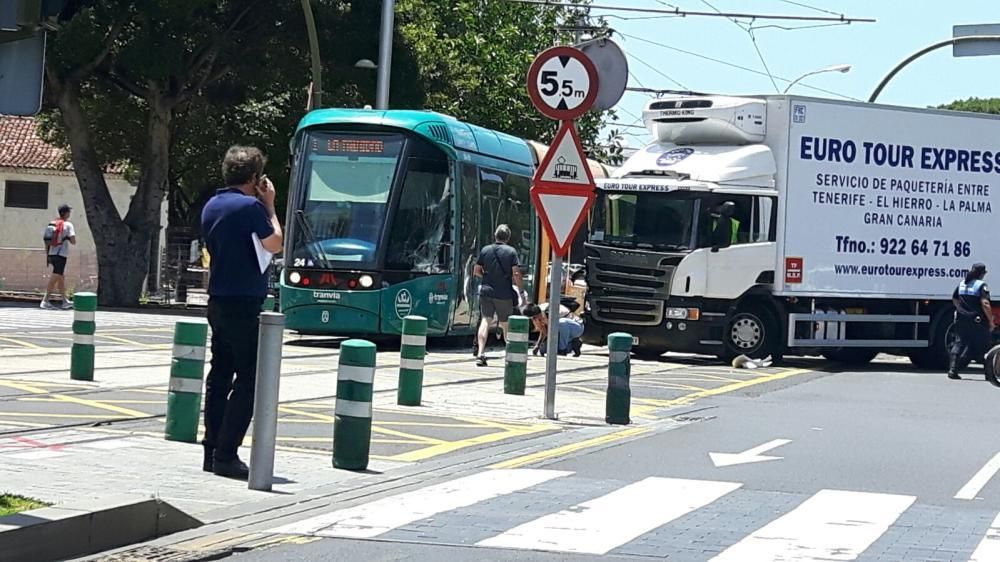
(445, 131)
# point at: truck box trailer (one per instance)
(785, 225)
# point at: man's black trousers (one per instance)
(230, 385)
(972, 341)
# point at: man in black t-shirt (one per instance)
(500, 270)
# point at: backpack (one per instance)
(52, 236)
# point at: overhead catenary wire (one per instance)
(807, 6)
(693, 13)
(733, 65)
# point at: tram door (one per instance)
(467, 299)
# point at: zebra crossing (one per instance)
(697, 520)
(18, 319)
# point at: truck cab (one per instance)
(682, 245)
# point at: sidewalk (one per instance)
(70, 464)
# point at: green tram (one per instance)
(387, 211)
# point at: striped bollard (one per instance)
(81, 366)
(186, 373)
(411, 361)
(515, 371)
(352, 420)
(617, 402)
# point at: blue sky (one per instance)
(873, 49)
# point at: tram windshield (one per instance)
(348, 179)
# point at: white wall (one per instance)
(22, 256)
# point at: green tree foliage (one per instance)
(975, 105)
(165, 86)
(474, 57)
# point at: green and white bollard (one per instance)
(268, 305)
(618, 400)
(82, 354)
(187, 371)
(352, 423)
(515, 370)
(412, 351)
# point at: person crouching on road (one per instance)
(973, 320)
(570, 329)
(233, 222)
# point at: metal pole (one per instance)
(385, 55)
(552, 354)
(265, 404)
(317, 67)
(924, 51)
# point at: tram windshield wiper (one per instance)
(312, 246)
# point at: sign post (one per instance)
(563, 85)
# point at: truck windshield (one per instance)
(662, 221)
(346, 182)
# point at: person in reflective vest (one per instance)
(723, 236)
(973, 320)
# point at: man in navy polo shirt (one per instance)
(233, 223)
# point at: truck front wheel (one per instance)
(851, 355)
(751, 332)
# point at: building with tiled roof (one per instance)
(35, 179)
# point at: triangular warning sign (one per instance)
(565, 162)
(562, 212)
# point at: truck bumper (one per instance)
(703, 336)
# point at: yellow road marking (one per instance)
(132, 342)
(447, 447)
(330, 440)
(67, 416)
(25, 424)
(375, 428)
(726, 388)
(20, 343)
(572, 447)
(75, 400)
(147, 390)
(666, 385)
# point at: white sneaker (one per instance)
(46, 305)
(67, 305)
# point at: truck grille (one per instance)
(637, 312)
(629, 286)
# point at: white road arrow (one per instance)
(748, 456)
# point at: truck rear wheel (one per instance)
(851, 355)
(935, 357)
(751, 332)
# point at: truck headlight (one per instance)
(366, 281)
(683, 313)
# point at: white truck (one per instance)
(784, 225)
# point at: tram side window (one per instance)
(421, 227)
(506, 199)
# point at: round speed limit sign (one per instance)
(562, 83)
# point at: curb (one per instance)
(88, 528)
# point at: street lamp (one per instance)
(836, 68)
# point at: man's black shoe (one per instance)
(577, 347)
(954, 376)
(231, 469)
(481, 361)
(208, 461)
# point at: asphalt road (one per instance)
(881, 464)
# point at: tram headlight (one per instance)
(295, 277)
(366, 281)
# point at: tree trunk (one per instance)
(122, 245)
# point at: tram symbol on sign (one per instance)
(564, 170)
